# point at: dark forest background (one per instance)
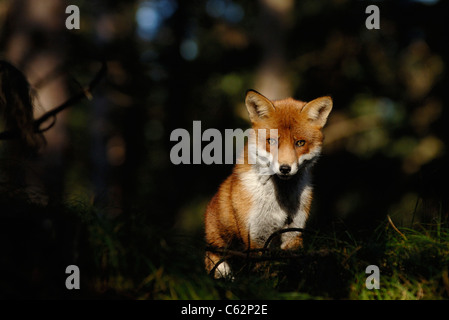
(102, 189)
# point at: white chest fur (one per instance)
(276, 204)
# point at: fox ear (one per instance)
(258, 106)
(318, 110)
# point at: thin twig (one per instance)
(85, 93)
(396, 229)
(254, 254)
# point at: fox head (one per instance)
(288, 132)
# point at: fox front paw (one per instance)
(292, 243)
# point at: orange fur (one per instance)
(247, 207)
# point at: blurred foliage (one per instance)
(172, 62)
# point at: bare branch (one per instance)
(258, 254)
(85, 93)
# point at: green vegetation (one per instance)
(127, 258)
(413, 264)
(124, 257)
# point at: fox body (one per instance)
(254, 202)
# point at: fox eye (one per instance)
(271, 141)
(300, 143)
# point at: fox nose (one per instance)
(285, 169)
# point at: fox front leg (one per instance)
(222, 268)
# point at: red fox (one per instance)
(250, 204)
